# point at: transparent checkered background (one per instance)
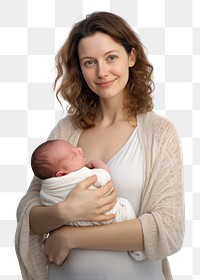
(31, 32)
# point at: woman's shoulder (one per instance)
(153, 127)
(152, 118)
(65, 121)
(154, 122)
(64, 129)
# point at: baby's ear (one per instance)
(60, 173)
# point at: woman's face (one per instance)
(104, 64)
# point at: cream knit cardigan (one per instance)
(162, 203)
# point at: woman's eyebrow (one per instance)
(90, 57)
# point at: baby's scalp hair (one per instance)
(83, 103)
(40, 162)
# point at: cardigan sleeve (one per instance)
(162, 211)
(28, 245)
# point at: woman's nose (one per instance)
(102, 70)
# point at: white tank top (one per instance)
(127, 168)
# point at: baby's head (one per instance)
(56, 158)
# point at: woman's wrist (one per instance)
(62, 213)
(71, 237)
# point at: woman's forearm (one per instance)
(122, 236)
(45, 219)
(126, 235)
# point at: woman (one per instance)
(107, 81)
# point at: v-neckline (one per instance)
(123, 147)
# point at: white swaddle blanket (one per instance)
(56, 189)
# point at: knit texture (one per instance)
(162, 202)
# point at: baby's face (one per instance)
(71, 158)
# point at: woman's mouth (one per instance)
(106, 83)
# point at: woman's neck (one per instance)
(110, 111)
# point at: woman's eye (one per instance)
(112, 57)
(89, 63)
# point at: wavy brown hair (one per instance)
(83, 103)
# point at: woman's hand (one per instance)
(56, 247)
(83, 204)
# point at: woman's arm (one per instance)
(123, 236)
(81, 204)
(44, 219)
(126, 236)
(162, 207)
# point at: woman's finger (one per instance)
(85, 184)
(105, 190)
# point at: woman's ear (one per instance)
(132, 57)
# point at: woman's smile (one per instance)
(106, 84)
